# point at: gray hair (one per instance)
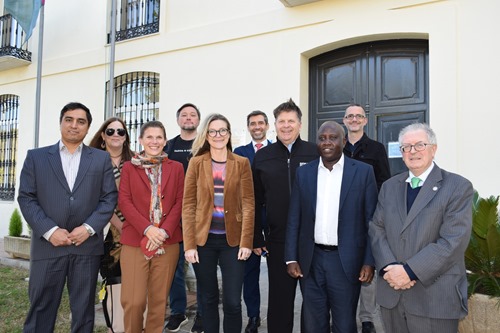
(418, 127)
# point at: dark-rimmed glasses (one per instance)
(357, 116)
(417, 146)
(119, 131)
(222, 132)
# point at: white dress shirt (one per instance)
(70, 164)
(422, 177)
(327, 203)
(264, 143)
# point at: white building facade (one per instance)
(404, 60)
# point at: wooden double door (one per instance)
(388, 78)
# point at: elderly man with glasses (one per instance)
(419, 234)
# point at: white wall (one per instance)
(234, 56)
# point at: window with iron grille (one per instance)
(9, 108)
(136, 101)
(136, 18)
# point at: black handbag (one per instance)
(110, 262)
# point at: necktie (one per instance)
(259, 145)
(414, 182)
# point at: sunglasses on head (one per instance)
(119, 131)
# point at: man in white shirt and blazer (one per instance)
(327, 244)
(67, 195)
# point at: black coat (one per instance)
(273, 175)
(372, 152)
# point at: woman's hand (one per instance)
(191, 256)
(244, 253)
(151, 246)
(156, 236)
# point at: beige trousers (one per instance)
(146, 283)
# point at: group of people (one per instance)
(325, 214)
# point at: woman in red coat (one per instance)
(150, 198)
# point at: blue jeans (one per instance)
(215, 252)
(178, 300)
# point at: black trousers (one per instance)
(282, 289)
(216, 252)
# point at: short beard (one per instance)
(191, 128)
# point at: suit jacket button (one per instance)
(71, 198)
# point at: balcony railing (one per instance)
(136, 18)
(13, 49)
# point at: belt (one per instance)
(326, 247)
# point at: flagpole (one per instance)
(39, 76)
(112, 36)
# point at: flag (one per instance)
(25, 12)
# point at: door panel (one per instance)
(389, 127)
(389, 79)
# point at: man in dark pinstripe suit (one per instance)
(419, 233)
(67, 194)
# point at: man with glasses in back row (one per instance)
(360, 147)
(419, 233)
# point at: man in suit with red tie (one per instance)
(258, 125)
(67, 195)
(419, 234)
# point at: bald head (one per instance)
(333, 125)
(330, 143)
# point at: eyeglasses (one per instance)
(357, 116)
(222, 132)
(119, 131)
(418, 147)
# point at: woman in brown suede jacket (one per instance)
(217, 220)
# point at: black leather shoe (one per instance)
(367, 327)
(253, 325)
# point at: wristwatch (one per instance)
(89, 230)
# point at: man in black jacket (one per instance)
(179, 149)
(360, 147)
(274, 169)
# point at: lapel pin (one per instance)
(435, 188)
